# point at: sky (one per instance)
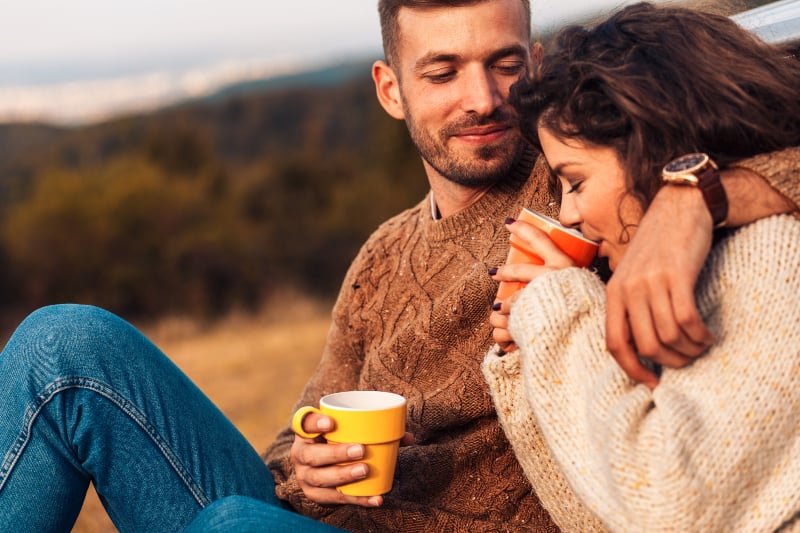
(82, 60)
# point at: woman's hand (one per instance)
(554, 259)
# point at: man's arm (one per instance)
(651, 307)
(779, 170)
(291, 459)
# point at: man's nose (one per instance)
(482, 94)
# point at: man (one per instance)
(412, 314)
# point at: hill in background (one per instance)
(206, 205)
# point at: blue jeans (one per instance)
(85, 397)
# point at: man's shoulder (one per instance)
(395, 228)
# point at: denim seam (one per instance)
(125, 405)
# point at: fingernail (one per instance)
(355, 452)
(510, 220)
(359, 471)
(374, 501)
(496, 306)
(325, 424)
(493, 271)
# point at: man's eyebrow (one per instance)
(513, 50)
(434, 57)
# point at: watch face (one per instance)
(686, 162)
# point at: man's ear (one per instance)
(387, 87)
(537, 55)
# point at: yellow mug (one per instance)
(375, 419)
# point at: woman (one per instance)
(714, 446)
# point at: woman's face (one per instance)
(593, 196)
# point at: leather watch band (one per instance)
(709, 183)
(698, 170)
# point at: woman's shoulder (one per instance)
(772, 241)
(757, 261)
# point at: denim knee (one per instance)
(72, 339)
(248, 515)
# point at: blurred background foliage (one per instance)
(211, 205)
(200, 208)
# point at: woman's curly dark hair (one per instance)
(657, 82)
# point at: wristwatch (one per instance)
(698, 170)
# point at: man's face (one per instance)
(455, 67)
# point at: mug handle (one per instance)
(297, 421)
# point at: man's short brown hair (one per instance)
(388, 10)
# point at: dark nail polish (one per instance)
(496, 306)
(493, 271)
(510, 220)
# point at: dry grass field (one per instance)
(252, 367)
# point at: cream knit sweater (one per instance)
(715, 447)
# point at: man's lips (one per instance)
(482, 133)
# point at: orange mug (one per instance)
(568, 240)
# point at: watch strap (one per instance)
(709, 183)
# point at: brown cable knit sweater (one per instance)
(411, 318)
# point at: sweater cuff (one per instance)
(554, 300)
(288, 489)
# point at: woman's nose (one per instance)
(568, 215)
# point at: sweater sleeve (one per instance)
(502, 373)
(715, 447)
(781, 170)
(338, 370)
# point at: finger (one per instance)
(507, 347)
(672, 344)
(629, 362)
(642, 332)
(669, 358)
(523, 272)
(408, 439)
(502, 337)
(327, 496)
(316, 454)
(646, 339)
(691, 324)
(538, 242)
(498, 320)
(317, 423)
(618, 340)
(330, 477)
(617, 330)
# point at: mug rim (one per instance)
(385, 400)
(555, 224)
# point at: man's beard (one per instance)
(486, 166)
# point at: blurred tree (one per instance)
(204, 206)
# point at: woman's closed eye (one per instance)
(574, 186)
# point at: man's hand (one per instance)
(317, 468)
(651, 306)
